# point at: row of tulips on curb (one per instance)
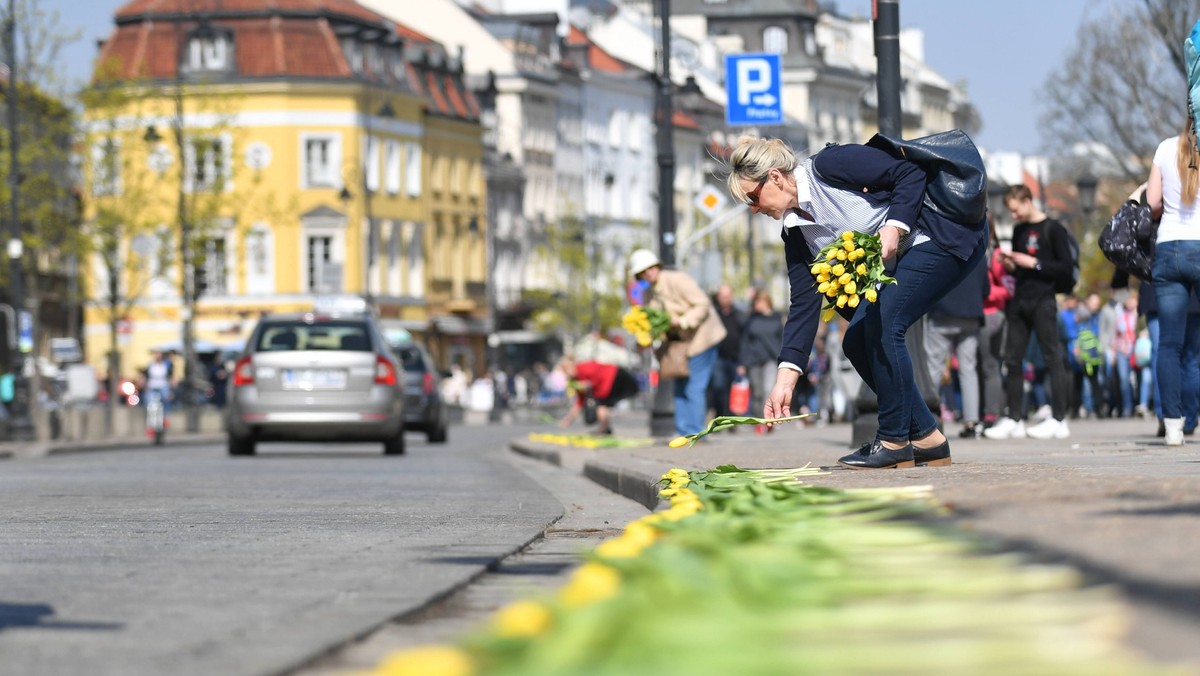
(754, 572)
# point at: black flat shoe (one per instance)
(877, 456)
(938, 456)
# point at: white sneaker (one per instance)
(1044, 411)
(1050, 429)
(1174, 428)
(1003, 429)
(1019, 432)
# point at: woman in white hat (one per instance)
(695, 320)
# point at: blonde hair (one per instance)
(1187, 159)
(754, 158)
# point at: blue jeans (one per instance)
(1176, 276)
(722, 377)
(691, 393)
(1189, 379)
(874, 341)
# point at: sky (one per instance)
(1002, 50)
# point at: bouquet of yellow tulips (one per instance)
(647, 324)
(849, 270)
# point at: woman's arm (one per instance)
(699, 305)
(1154, 192)
(805, 312)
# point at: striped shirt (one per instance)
(836, 210)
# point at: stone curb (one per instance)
(638, 483)
(34, 450)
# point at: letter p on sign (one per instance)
(753, 77)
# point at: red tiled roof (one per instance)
(682, 119)
(452, 93)
(598, 59)
(435, 93)
(348, 8)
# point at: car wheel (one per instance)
(241, 446)
(395, 445)
(438, 433)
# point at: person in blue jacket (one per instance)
(860, 188)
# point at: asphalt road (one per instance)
(186, 561)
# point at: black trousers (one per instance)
(1042, 318)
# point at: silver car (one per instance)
(310, 377)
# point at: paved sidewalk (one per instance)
(1112, 501)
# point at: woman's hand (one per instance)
(741, 370)
(779, 401)
(889, 241)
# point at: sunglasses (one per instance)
(752, 196)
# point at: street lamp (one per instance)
(1086, 185)
(21, 426)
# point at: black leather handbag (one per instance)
(1128, 240)
(956, 183)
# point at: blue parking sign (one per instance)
(752, 86)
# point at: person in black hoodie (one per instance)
(1041, 254)
(952, 326)
(762, 338)
(727, 350)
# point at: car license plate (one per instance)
(314, 379)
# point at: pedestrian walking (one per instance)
(931, 254)
(1171, 194)
(991, 336)
(762, 339)
(727, 350)
(1041, 254)
(952, 329)
(695, 321)
(1087, 358)
(1124, 341)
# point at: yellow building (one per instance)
(325, 150)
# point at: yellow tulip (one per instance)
(522, 619)
(861, 269)
(833, 253)
(845, 279)
(815, 269)
(838, 270)
(823, 287)
(435, 660)
(850, 288)
(870, 294)
(841, 254)
(853, 302)
(841, 301)
(832, 290)
(826, 267)
(822, 277)
(589, 583)
(859, 252)
(848, 235)
(848, 246)
(619, 548)
(827, 314)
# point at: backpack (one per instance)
(1126, 243)
(956, 183)
(1088, 345)
(1067, 284)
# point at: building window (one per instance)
(371, 171)
(209, 53)
(322, 157)
(324, 273)
(260, 262)
(211, 268)
(106, 168)
(775, 40)
(391, 167)
(412, 169)
(208, 163)
(616, 124)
